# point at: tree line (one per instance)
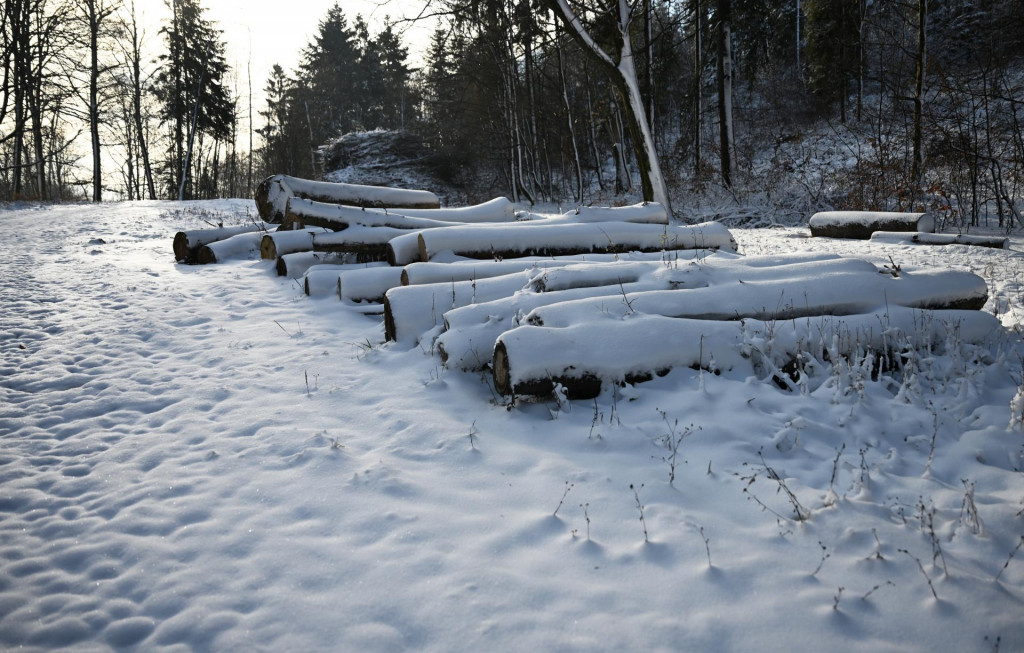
(907, 104)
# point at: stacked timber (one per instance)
(187, 244)
(273, 192)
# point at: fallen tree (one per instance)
(366, 243)
(825, 293)
(644, 213)
(295, 265)
(582, 359)
(273, 192)
(306, 212)
(369, 284)
(432, 272)
(240, 246)
(496, 241)
(861, 224)
(471, 331)
(187, 243)
(278, 243)
(917, 238)
(412, 311)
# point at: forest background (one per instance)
(785, 106)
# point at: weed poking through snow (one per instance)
(568, 486)
(640, 509)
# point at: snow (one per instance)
(202, 457)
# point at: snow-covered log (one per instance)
(367, 243)
(645, 213)
(695, 269)
(861, 224)
(368, 285)
(818, 293)
(323, 279)
(411, 311)
(901, 238)
(295, 265)
(432, 272)
(187, 243)
(530, 360)
(471, 331)
(278, 243)
(273, 192)
(336, 217)
(403, 249)
(499, 241)
(240, 246)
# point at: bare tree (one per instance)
(623, 76)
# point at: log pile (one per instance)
(273, 192)
(602, 296)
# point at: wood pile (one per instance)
(600, 296)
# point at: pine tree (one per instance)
(191, 90)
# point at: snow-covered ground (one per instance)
(204, 458)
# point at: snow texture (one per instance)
(203, 458)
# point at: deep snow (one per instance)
(205, 458)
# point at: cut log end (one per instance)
(205, 256)
(268, 250)
(281, 267)
(180, 246)
(389, 322)
(502, 377)
(585, 386)
(264, 207)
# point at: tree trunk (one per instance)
(532, 360)
(273, 192)
(489, 242)
(337, 217)
(917, 172)
(839, 293)
(861, 224)
(187, 243)
(623, 77)
(94, 103)
(725, 78)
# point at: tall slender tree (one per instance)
(191, 89)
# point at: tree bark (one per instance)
(917, 171)
(726, 142)
(488, 242)
(861, 224)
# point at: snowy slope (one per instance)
(204, 458)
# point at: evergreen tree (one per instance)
(831, 50)
(190, 87)
(328, 78)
